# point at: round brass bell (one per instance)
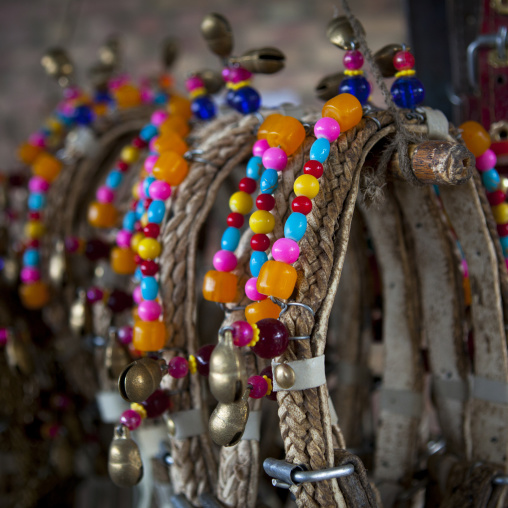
(384, 59)
(124, 461)
(227, 379)
(328, 87)
(263, 60)
(169, 51)
(340, 33)
(110, 52)
(284, 375)
(58, 65)
(212, 79)
(140, 379)
(217, 33)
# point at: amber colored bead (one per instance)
(34, 229)
(276, 279)
(477, 139)
(261, 310)
(170, 141)
(127, 96)
(171, 167)
(180, 106)
(102, 215)
(500, 213)
(100, 109)
(346, 109)
(35, 295)
(149, 335)
(46, 166)
(220, 286)
(176, 124)
(122, 261)
(284, 131)
(27, 153)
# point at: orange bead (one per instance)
(346, 109)
(122, 261)
(284, 131)
(180, 106)
(176, 124)
(100, 109)
(35, 295)
(171, 167)
(276, 279)
(46, 166)
(102, 215)
(149, 335)
(220, 286)
(475, 137)
(261, 310)
(127, 96)
(170, 140)
(27, 153)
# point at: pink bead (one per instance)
(465, 268)
(242, 333)
(260, 147)
(131, 419)
(136, 295)
(506, 263)
(251, 291)
(30, 274)
(141, 191)
(486, 161)
(37, 139)
(71, 244)
(224, 261)
(226, 73)
(94, 294)
(105, 194)
(159, 117)
(146, 95)
(72, 92)
(123, 238)
(259, 387)
(353, 60)
(38, 184)
(327, 128)
(150, 163)
(4, 336)
(178, 367)
(238, 74)
(285, 250)
(275, 158)
(403, 60)
(149, 310)
(160, 190)
(151, 144)
(194, 82)
(125, 335)
(67, 108)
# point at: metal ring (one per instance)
(225, 329)
(375, 120)
(191, 156)
(300, 337)
(284, 305)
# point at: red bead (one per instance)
(242, 333)
(403, 60)
(247, 185)
(137, 142)
(203, 359)
(265, 202)
(314, 168)
(71, 244)
(178, 367)
(138, 227)
(34, 215)
(259, 387)
(125, 335)
(149, 267)
(94, 294)
(157, 404)
(502, 229)
(267, 371)
(122, 166)
(138, 259)
(96, 249)
(147, 202)
(301, 204)
(34, 243)
(260, 242)
(134, 205)
(235, 220)
(151, 230)
(273, 338)
(119, 301)
(496, 198)
(130, 419)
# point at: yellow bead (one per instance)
(276, 279)
(346, 109)
(284, 131)
(220, 287)
(180, 106)
(144, 219)
(171, 167)
(34, 229)
(261, 310)
(46, 166)
(176, 124)
(102, 215)
(129, 154)
(27, 153)
(122, 261)
(35, 295)
(54, 125)
(170, 141)
(136, 238)
(240, 202)
(306, 185)
(149, 335)
(149, 248)
(135, 191)
(139, 409)
(500, 213)
(475, 137)
(262, 221)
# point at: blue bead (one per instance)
(148, 132)
(408, 92)
(230, 239)
(156, 211)
(257, 260)
(504, 245)
(36, 201)
(114, 179)
(357, 86)
(138, 274)
(149, 288)
(146, 184)
(83, 115)
(103, 97)
(295, 226)
(246, 100)
(160, 98)
(491, 180)
(140, 209)
(269, 181)
(129, 221)
(254, 167)
(204, 108)
(31, 257)
(320, 150)
(230, 95)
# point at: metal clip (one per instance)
(193, 156)
(285, 306)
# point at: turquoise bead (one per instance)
(140, 209)
(31, 257)
(36, 201)
(129, 221)
(149, 288)
(257, 260)
(320, 150)
(491, 180)
(114, 179)
(504, 245)
(254, 167)
(148, 132)
(146, 185)
(269, 181)
(156, 211)
(138, 274)
(295, 226)
(230, 239)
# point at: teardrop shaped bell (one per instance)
(212, 79)
(340, 33)
(125, 467)
(57, 263)
(140, 379)
(263, 60)
(384, 59)
(328, 87)
(217, 33)
(80, 315)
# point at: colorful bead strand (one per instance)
(407, 90)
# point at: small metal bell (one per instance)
(212, 79)
(169, 52)
(228, 421)
(116, 357)
(80, 315)
(11, 269)
(263, 60)
(124, 462)
(384, 59)
(58, 65)
(340, 33)
(140, 379)
(328, 87)
(57, 264)
(227, 379)
(217, 33)
(18, 356)
(110, 53)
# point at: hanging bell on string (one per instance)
(116, 358)
(384, 59)
(17, 355)
(124, 461)
(328, 87)
(58, 65)
(217, 33)
(57, 264)
(140, 379)
(212, 80)
(340, 33)
(169, 52)
(80, 316)
(262, 61)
